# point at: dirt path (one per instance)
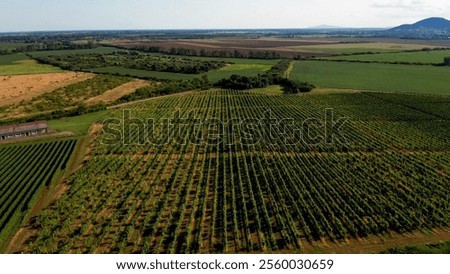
(377, 244)
(15, 89)
(287, 73)
(114, 94)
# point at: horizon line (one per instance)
(331, 28)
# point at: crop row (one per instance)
(180, 197)
(25, 170)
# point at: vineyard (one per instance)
(388, 172)
(25, 170)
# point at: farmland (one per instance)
(156, 66)
(379, 77)
(379, 181)
(424, 57)
(116, 70)
(20, 64)
(25, 171)
(359, 47)
(67, 97)
(288, 48)
(391, 175)
(99, 50)
(215, 75)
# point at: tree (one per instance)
(447, 61)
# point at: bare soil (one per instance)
(282, 46)
(15, 89)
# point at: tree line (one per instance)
(250, 54)
(47, 47)
(275, 76)
(166, 88)
(131, 60)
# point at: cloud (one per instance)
(409, 5)
(410, 8)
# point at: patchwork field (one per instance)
(18, 88)
(219, 182)
(306, 46)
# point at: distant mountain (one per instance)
(434, 26)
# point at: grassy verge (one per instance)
(441, 248)
(78, 124)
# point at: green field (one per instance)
(248, 69)
(391, 174)
(227, 60)
(19, 64)
(270, 90)
(145, 73)
(25, 170)
(350, 48)
(425, 57)
(78, 124)
(245, 69)
(12, 59)
(378, 77)
(105, 50)
(11, 46)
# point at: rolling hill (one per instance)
(434, 26)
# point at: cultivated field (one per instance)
(100, 50)
(15, 89)
(21, 64)
(116, 70)
(391, 175)
(423, 57)
(383, 182)
(378, 77)
(25, 171)
(352, 48)
(248, 68)
(306, 46)
(157, 66)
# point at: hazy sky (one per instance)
(28, 15)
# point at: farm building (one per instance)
(21, 130)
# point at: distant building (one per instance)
(22, 130)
